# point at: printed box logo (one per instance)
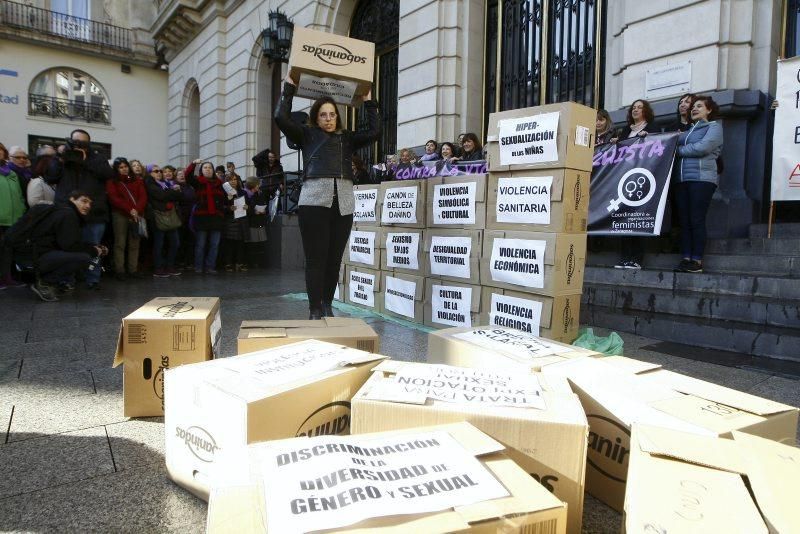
(158, 379)
(171, 310)
(334, 54)
(331, 419)
(199, 442)
(570, 264)
(578, 191)
(606, 452)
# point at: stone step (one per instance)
(710, 284)
(778, 246)
(778, 230)
(765, 341)
(751, 310)
(713, 263)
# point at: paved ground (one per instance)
(69, 460)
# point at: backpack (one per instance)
(18, 238)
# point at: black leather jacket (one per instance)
(325, 155)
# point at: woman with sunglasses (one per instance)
(326, 202)
(163, 197)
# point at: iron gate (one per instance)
(520, 33)
(379, 22)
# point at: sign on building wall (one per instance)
(786, 135)
(668, 80)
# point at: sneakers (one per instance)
(160, 273)
(211, 271)
(174, 272)
(241, 267)
(628, 265)
(229, 268)
(689, 266)
(44, 291)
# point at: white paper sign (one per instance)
(292, 362)
(451, 305)
(528, 139)
(313, 87)
(518, 261)
(362, 247)
(399, 205)
(365, 202)
(362, 288)
(417, 383)
(786, 134)
(513, 312)
(337, 294)
(402, 250)
(524, 200)
(239, 208)
(449, 256)
(399, 296)
(454, 203)
(519, 344)
(335, 481)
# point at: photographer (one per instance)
(78, 168)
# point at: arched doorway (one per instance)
(192, 122)
(379, 22)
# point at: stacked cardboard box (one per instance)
(534, 246)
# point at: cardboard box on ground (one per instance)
(164, 333)
(362, 287)
(247, 503)
(326, 64)
(214, 409)
(616, 392)
(402, 251)
(539, 420)
(553, 136)
(403, 295)
(535, 262)
(449, 304)
(548, 200)
(350, 332)
(403, 203)
(555, 318)
(486, 347)
(679, 482)
(364, 247)
(457, 202)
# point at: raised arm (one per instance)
(292, 129)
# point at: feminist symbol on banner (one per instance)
(636, 188)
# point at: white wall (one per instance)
(138, 101)
(732, 44)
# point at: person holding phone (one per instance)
(326, 202)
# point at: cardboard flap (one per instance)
(521, 499)
(266, 333)
(289, 323)
(773, 470)
(715, 393)
(389, 366)
(473, 440)
(722, 454)
(118, 356)
(629, 364)
(357, 357)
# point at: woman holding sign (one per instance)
(697, 154)
(326, 202)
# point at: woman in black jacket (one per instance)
(163, 197)
(326, 202)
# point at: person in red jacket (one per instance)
(208, 215)
(128, 198)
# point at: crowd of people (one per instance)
(65, 210)
(695, 172)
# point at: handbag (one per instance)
(295, 190)
(136, 228)
(167, 220)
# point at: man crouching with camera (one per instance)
(78, 168)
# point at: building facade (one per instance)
(444, 65)
(89, 64)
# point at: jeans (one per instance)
(93, 234)
(203, 258)
(173, 242)
(122, 238)
(325, 233)
(693, 200)
(58, 266)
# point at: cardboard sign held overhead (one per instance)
(326, 64)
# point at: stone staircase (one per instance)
(746, 301)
